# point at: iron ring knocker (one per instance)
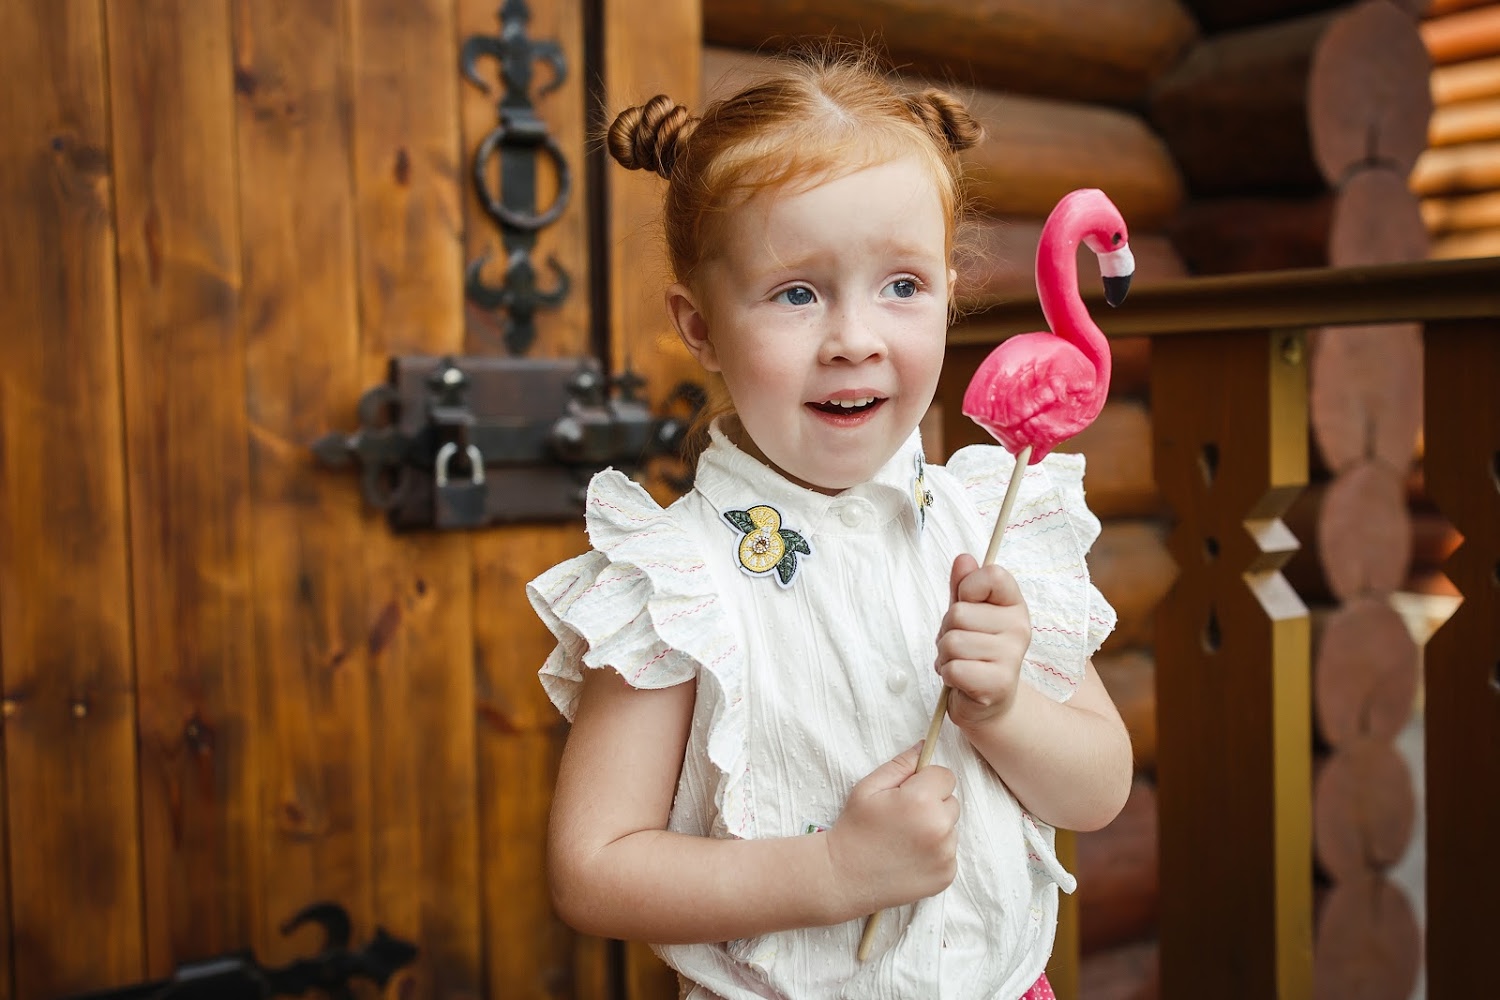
(515, 220)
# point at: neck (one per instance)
(1057, 290)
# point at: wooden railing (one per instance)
(1234, 714)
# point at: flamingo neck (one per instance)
(1057, 289)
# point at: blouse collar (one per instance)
(731, 479)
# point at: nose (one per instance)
(852, 337)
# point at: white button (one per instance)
(854, 513)
(896, 680)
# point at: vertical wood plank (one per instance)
(71, 794)
(312, 629)
(1229, 417)
(645, 56)
(1462, 661)
(172, 110)
(424, 809)
(528, 952)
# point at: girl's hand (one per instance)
(983, 637)
(897, 839)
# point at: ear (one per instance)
(691, 325)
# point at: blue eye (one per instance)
(903, 288)
(798, 295)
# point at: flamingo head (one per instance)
(1104, 232)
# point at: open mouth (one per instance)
(847, 407)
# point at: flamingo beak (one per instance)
(1115, 289)
(1116, 267)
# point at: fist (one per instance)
(897, 839)
(981, 642)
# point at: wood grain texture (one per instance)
(996, 257)
(1293, 105)
(1466, 212)
(527, 951)
(1452, 170)
(1364, 810)
(643, 56)
(1132, 567)
(1130, 679)
(1471, 121)
(313, 630)
(71, 788)
(1034, 151)
(1117, 446)
(1129, 972)
(1462, 659)
(1366, 397)
(1368, 944)
(1462, 35)
(1229, 417)
(1364, 531)
(1222, 15)
(1071, 49)
(1466, 81)
(187, 440)
(424, 803)
(1471, 244)
(1117, 875)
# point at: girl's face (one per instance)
(826, 313)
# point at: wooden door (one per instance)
(229, 690)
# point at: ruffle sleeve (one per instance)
(1046, 544)
(644, 603)
(636, 604)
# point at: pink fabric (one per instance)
(1040, 990)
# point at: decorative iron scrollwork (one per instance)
(519, 140)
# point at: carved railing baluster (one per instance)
(1462, 660)
(1229, 416)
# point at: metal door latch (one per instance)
(464, 442)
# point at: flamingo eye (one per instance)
(1115, 239)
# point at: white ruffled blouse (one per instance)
(809, 623)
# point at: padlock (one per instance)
(458, 504)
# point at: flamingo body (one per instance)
(1042, 388)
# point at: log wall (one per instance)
(1458, 177)
(1311, 170)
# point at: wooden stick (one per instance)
(929, 744)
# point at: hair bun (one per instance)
(947, 119)
(651, 136)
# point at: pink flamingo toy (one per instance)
(1036, 390)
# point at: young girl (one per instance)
(747, 670)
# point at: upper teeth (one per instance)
(850, 404)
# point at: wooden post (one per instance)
(1462, 460)
(1233, 698)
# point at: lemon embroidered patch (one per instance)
(766, 546)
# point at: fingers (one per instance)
(893, 772)
(991, 584)
(934, 780)
(962, 567)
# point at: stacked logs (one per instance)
(1459, 176)
(1057, 88)
(1296, 138)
